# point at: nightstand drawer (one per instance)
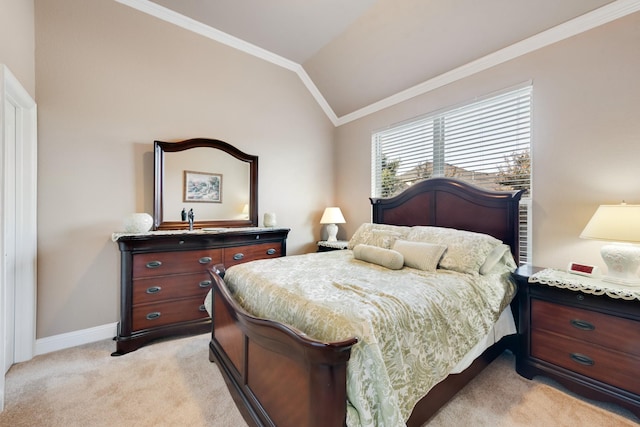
(612, 367)
(154, 315)
(608, 331)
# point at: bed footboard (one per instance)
(277, 374)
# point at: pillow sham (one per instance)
(466, 250)
(494, 258)
(388, 258)
(421, 255)
(381, 235)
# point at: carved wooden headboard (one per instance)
(446, 202)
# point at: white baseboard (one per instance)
(73, 339)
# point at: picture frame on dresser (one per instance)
(580, 331)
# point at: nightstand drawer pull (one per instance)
(154, 289)
(582, 325)
(154, 264)
(582, 359)
(205, 260)
(202, 308)
(271, 251)
(238, 256)
(153, 315)
(205, 283)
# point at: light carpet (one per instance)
(172, 383)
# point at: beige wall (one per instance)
(17, 41)
(586, 135)
(111, 80)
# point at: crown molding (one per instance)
(586, 22)
(187, 23)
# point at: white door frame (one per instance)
(24, 183)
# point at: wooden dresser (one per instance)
(588, 343)
(164, 278)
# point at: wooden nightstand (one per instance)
(588, 343)
(325, 246)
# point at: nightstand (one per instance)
(581, 332)
(326, 246)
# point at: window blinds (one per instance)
(486, 143)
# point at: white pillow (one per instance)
(381, 235)
(494, 258)
(420, 255)
(388, 258)
(466, 251)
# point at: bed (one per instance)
(281, 376)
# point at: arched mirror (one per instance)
(211, 177)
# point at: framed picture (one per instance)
(202, 187)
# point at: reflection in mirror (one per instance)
(214, 179)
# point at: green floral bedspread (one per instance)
(413, 326)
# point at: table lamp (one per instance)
(619, 224)
(331, 217)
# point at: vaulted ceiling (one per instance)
(358, 55)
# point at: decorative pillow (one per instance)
(420, 255)
(381, 235)
(466, 251)
(494, 258)
(388, 258)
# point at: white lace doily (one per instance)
(588, 285)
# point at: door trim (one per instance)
(25, 182)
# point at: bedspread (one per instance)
(412, 326)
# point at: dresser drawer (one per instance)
(164, 263)
(156, 289)
(239, 254)
(148, 316)
(608, 331)
(612, 367)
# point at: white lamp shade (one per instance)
(332, 215)
(619, 224)
(614, 223)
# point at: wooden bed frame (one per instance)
(280, 377)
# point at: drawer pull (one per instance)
(582, 359)
(153, 315)
(238, 256)
(202, 308)
(154, 289)
(154, 264)
(205, 283)
(271, 251)
(205, 260)
(582, 325)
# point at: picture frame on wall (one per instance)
(203, 187)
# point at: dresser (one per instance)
(581, 332)
(164, 277)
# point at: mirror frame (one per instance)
(161, 148)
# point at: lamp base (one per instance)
(623, 260)
(332, 230)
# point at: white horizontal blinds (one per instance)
(402, 156)
(486, 143)
(525, 230)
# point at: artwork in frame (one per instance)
(202, 187)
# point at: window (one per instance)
(486, 143)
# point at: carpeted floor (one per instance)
(172, 383)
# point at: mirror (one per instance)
(214, 178)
